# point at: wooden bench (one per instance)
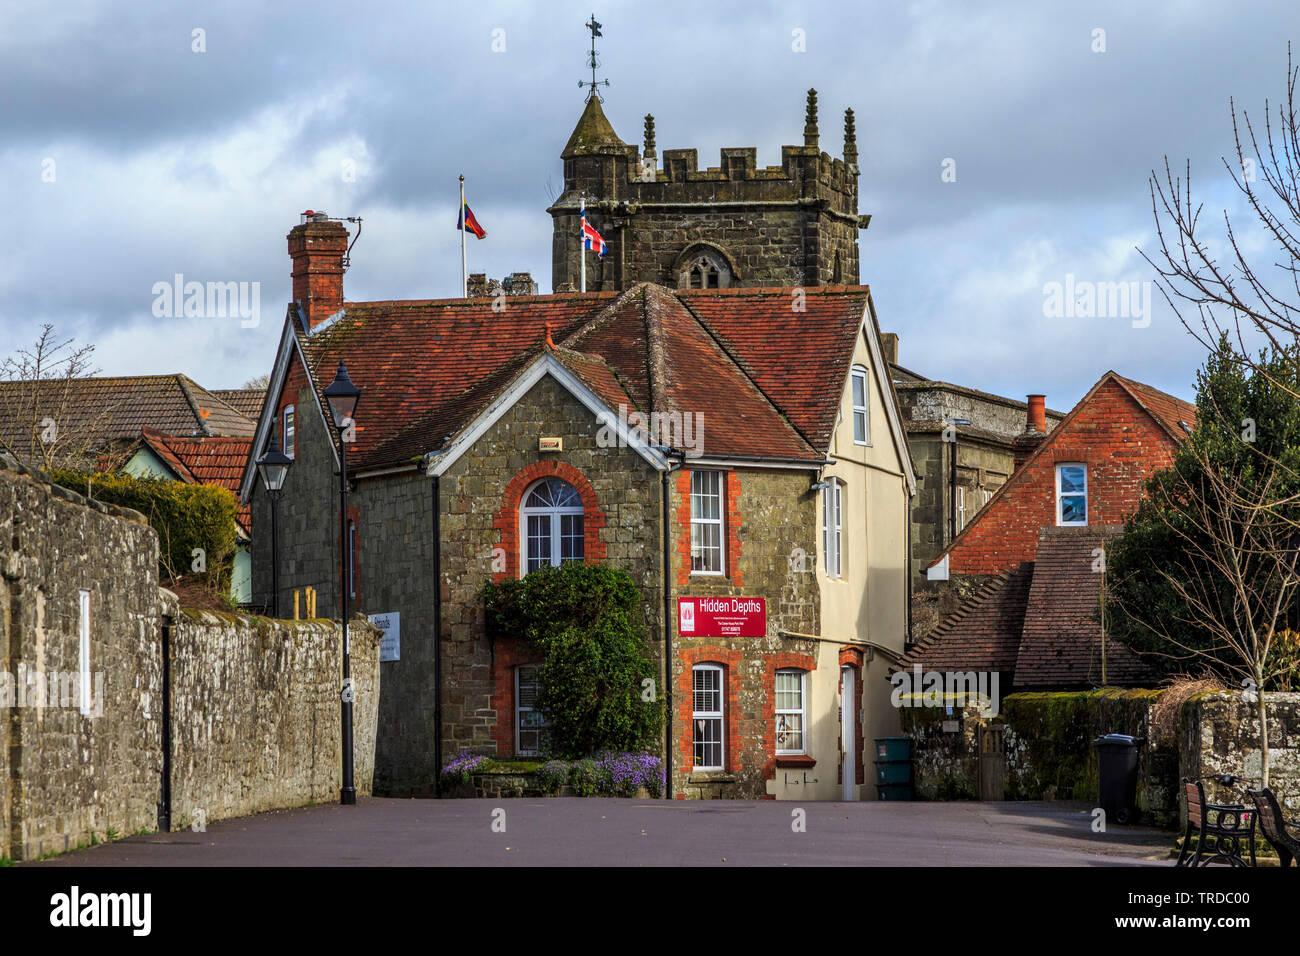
(1273, 826)
(1220, 830)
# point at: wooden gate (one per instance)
(992, 763)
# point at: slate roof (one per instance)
(1038, 622)
(106, 410)
(204, 460)
(767, 380)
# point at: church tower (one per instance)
(734, 224)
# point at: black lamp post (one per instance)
(342, 396)
(273, 466)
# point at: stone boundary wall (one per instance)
(1049, 753)
(1219, 733)
(255, 710)
(256, 705)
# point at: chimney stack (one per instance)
(1035, 430)
(889, 346)
(317, 247)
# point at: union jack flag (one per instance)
(590, 237)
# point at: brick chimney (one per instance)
(1035, 430)
(317, 247)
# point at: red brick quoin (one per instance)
(508, 653)
(852, 657)
(507, 519)
(775, 662)
(730, 661)
(731, 529)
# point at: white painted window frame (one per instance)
(859, 373)
(801, 710)
(833, 528)
(1074, 494)
(289, 432)
(718, 715)
(701, 522)
(555, 514)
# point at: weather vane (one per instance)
(594, 27)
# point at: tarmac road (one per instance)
(611, 832)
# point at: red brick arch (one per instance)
(507, 519)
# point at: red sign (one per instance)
(721, 617)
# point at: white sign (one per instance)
(687, 609)
(390, 644)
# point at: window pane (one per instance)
(1073, 479)
(706, 495)
(1074, 508)
(859, 426)
(539, 541)
(859, 390)
(706, 547)
(789, 732)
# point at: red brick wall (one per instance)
(1121, 445)
(506, 521)
(508, 654)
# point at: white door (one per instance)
(847, 743)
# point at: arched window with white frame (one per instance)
(551, 524)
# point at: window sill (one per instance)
(801, 761)
(711, 776)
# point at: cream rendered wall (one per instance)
(869, 601)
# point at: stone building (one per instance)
(508, 439)
(965, 444)
(734, 224)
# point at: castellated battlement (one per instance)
(666, 220)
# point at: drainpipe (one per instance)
(668, 644)
(669, 453)
(437, 640)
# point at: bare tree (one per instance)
(1235, 571)
(1209, 280)
(42, 422)
(258, 381)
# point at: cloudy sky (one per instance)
(128, 156)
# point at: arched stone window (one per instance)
(551, 524)
(704, 267)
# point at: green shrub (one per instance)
(586, 620)
(185, 516)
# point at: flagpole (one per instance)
(582, 241)
(464, 275)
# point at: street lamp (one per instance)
(342, 396)
(273, 466)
